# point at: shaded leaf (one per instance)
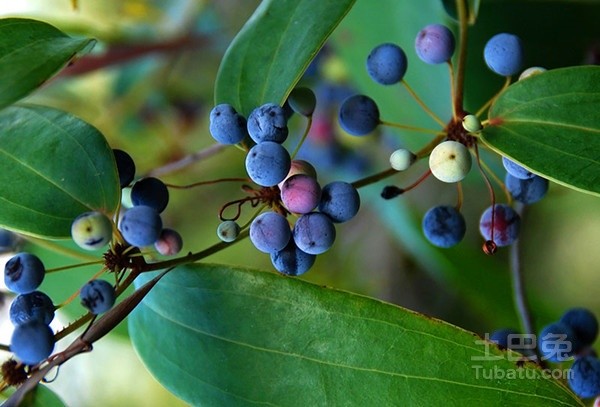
(41, 396)
(550, 124)
(222, 336)
(471, 6)
(53, 167)
(273, 49)
(30, 53)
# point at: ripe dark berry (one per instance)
(557, 342)
(268, 163)
(340, 201)
(291, 260)
(506, 225)
(584, 324)
(169, 242)
(33, 306)
(97, 296)
(314, 233)
(8, 241)
(527, 191)
(268, 123)
(91, 230)
(226, 125)
(515, 169)
(503, 54)
(150, 192)
(270, 232)
(435, 44)
(300, 193)
(444, 226)
(141, 226)
(584, 377)
(24, 273)
(359, 115)
(387, 64)
(125, 167)
(32, 342)
(502, 337)
(303, 101)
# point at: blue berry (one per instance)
(527, 191)
(503, 54)
(501, 337)
(33, 306)
(303, 101)
(359, 115)
(435, 44)
(270, 232)
(584, 377)
(444, 226)
(91, 230)
(226, 125)
(515, 169)
(557, 342)
(314, 233)
(387, 64)
(506, 225)
(97, 296)
(8, 241)
(32, 342)
(340, 201)
(125, 167)
(141, 226)
(291, 260)
(150, 192)
(268, 163)
(169, 242)
(24, 273)
(268, 123)
(584, 324)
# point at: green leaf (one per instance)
(30, 53)
(472, 8)
(550, 124)
(273, 49)
(41, 396)
(53, 167)
(222, 336)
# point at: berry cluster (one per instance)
(288, 186)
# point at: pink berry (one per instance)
(300, 193)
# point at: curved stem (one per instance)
(186, 161)
(212, 182)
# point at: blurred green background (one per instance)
(155, 101)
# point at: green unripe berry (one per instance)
(471, 123)
(228, 231)
(303, 101)
(402, 159)
(92, 230)
(450, 161)
(534, 70)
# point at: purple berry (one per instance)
(125, 167)
(268, 123)
(291, 260)
(270, 232)
(435, 44)
(527, 191)
(584, 324)
(300, 193)
(506, 224)
(314, 233)
(226, 125)
(32, 342)
(33, 306)
(444, 226)
(515, 169)
(169, 242)
(97, 296)
(150, 192)
(557, 342)
(141, 226)
(584, 377)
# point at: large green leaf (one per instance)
(53, 167)
(31, 52)
(270, 53)
(550, 123)
(41, 396)
(220, 336)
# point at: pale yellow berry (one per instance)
(401, 159)
(92, 230)
(450, 161)
(471, 123)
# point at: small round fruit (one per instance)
(435, 44)
(169, 242)
(444, 226)
(92, 230)
(515, 169)
(557, 342)
(584, 377)
(527, 191)
(314, 233)
(506, 225)
(534, 70)
(268, 123)
(141, 226)
(9, 241)
(33, 306)
(268, 163)
(300, 193)
(291, 260)
(125, 167)
(501, 337)
(302, 100)
(471, 123)
(97, 296)
(340, 201)
(387, 64)
(503, 54)
(24, 273)
(450, 161)
(300, 167)
(584, 324)
(150, 192)
(228, 231)
(402, 159)
(32, 342)
(226, 125)
(359, 115)
(270, 232)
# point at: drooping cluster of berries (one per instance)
(571, 337)
(450, 159)
(287, 186)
